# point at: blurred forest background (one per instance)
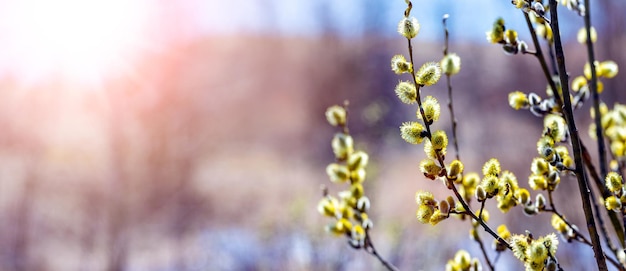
(209, 154)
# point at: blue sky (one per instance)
(79, 39)
(468, 19)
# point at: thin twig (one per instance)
(542, 61)
(615, 221)
(450, 107)
(594, 94)
(484, 251)
(369, 247)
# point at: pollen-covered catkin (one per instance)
(451, 64)
(408, 27)
(428, 74)
(413, 132)
(431, 108)
(406, 92)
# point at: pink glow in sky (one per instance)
(85, 41)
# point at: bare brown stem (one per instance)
(369, 247)
(569, 117)
(450, 104)
(484, 251)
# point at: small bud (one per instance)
(367, 223)
(519, 3)
(451, 202)
(613, 204)
(471, 180)
(553, 178)
(540, 202)
(342, 145)
(343, 225)
(503, 232)
(430, 169)
(424, 213)
(357, 176)
(582, 35)
(539, 9)
(444, 207)
(327, 206)
(476, 265)
(539, 166)
(428, 74)
(432, 153)
(432, 110)
(510, 49)
(555, 127)
(484, 216)
(408, 27)
(490, 185)
(451, 64)
(518, 100)
(522, 47)
(356, 190)
(363, 204)
(456, 169)
(558, 224)
(519, 244)
(587, 69)
(463, 259)
(510, 36)
(358, 233)
(357, 160)
(523, 196)
(608, 69)
(439, 140)
(544, 31)
(399, 65)
(406, 92)
(481, 195)
(578, 83)
(496, 35)
(413, 132)
(437, 217)
(613, 182)
(544, 148)
(537, 182)
(550, 242)
(474, 234)
(530, 210)
(614, 165)
(533, 98)
(425, 198)
(538, 252)
(551, 265)
(337, 173)
(492, 167)
(336, 115)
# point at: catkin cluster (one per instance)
(537, 254)
(349, 209)
(613, 124)
(418, 131)
(507, 37)
(462, 261)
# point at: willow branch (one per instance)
(540, 57)
(569, 116)
(450, 107)
(369, 247)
